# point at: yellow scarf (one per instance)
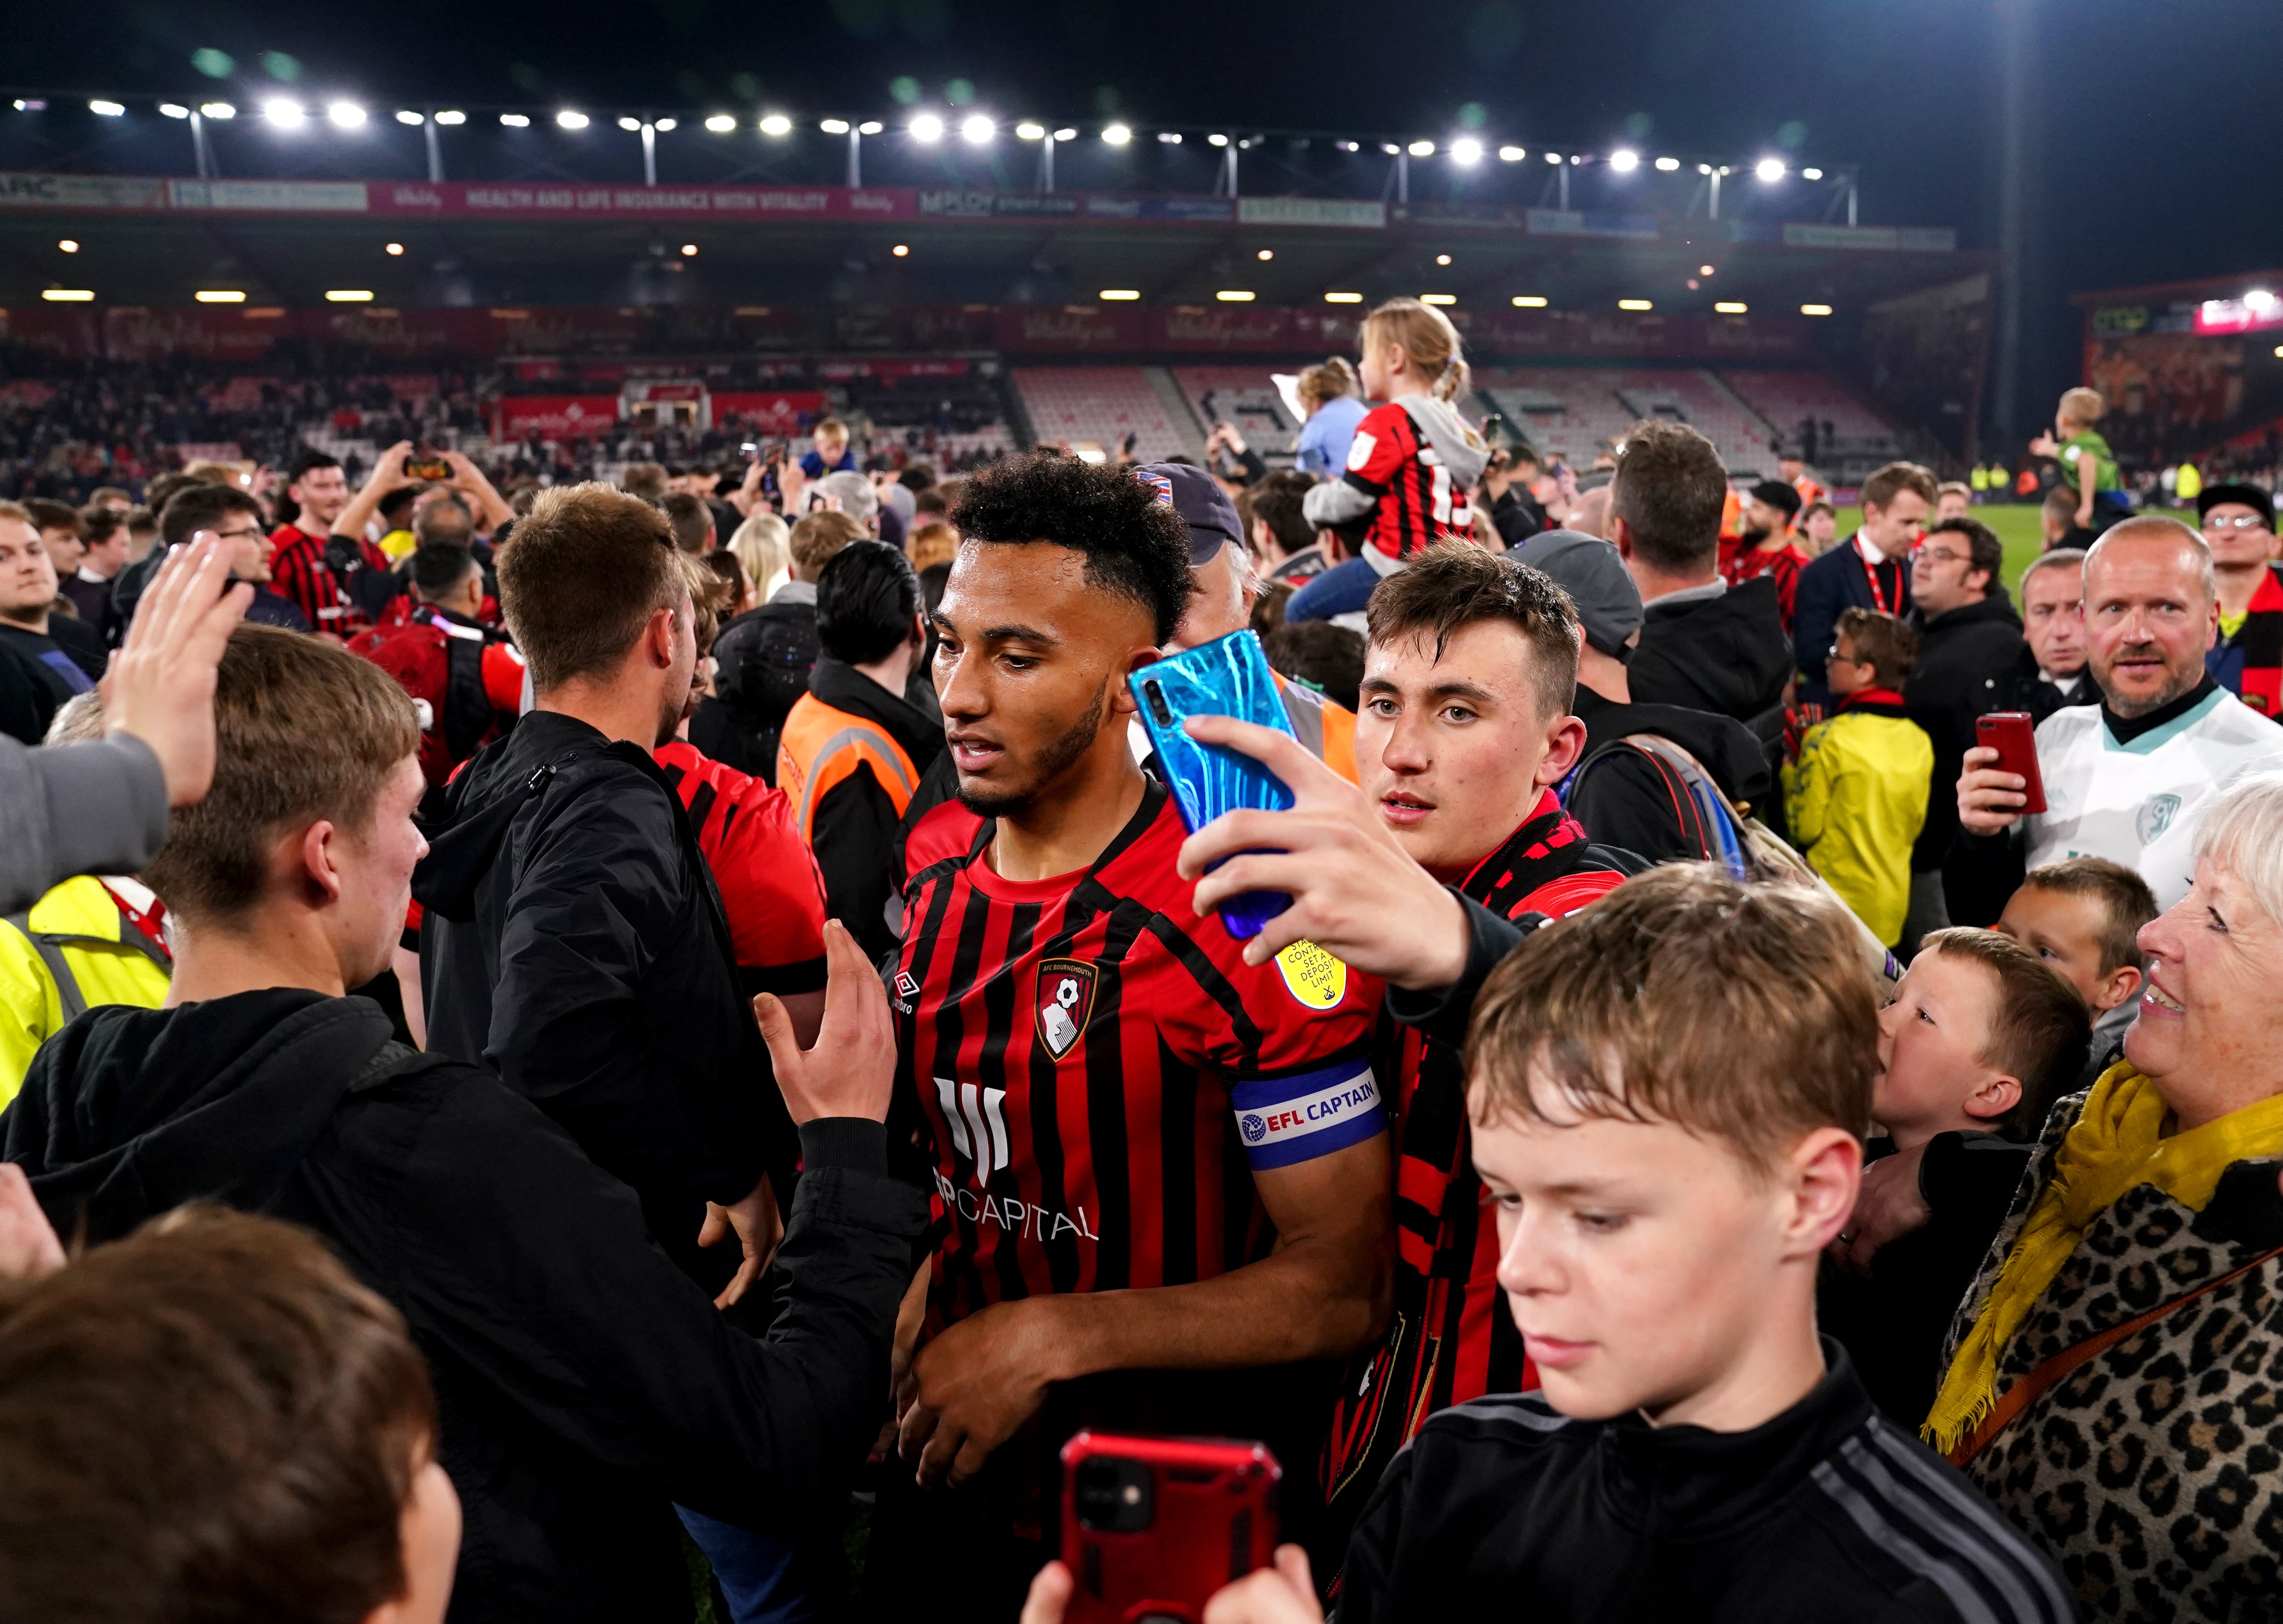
(2116, 1145)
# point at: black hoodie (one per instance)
(1726, 653)
(1962, 653)
(1624, 801)
(584, 1385)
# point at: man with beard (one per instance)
(1766, 546)
(1162, 1172)
(2131, 779)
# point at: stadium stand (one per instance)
(1846, 431)
(1245, 398)
(1096, 407)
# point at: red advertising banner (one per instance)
(533, 200)
(1069, 329)
(553, 417)
(772, 411)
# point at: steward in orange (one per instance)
(854, 745)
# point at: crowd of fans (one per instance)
(715, 966)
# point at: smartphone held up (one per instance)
(1152, 1526)
(2013, 734)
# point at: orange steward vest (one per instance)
(820, 746)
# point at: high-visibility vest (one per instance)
(1325, 727)
(821, 746)
(2190, 485)
(1979, 480)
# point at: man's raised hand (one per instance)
(850, 1068)
(160, 686)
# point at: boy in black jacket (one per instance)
(1667, 1091)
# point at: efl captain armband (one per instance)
(1286, 1120)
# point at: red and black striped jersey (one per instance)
(769, 885)
(1417, 503)
(297, 570)
(1450, 1338)
(1096, 1074)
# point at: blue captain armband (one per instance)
(1287, 1120)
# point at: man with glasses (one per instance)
(233, 517)
(1969, 642)
(2238, 527)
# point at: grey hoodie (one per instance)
(1438, 422)
(99, 807)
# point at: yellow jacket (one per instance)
(108, 960)
(1856, 799)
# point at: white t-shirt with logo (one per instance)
(2140, 803)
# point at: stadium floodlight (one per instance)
(284, 113)
(1529, 302)
(1420, 149)
(1811, 175)
(1635, 304)
(664, 124)
(1705, 168)
(720, 123)
(219, 295)
(1442, 258)
(927, 127)
(630, 125)
(1438, 299)
(1512, 154)
(834, 127)
(689, 251)
(870, 127)
(1704, 270)
(68, 245)
(901, 250)
(1666, 166)
(515, 121)
(568, 120)
(349, 295)
(174, 110)
(1554, 158)
(976, 129)
(218, 110)
(1266, 254)
(1066, 134)
(393, 250)
(1343, 299)
(2260, 299)
(1170, 137)
(1466, 150)
(1769, 171)
(1815, 309)
(345, 116)
(451, 116)
(1234, 295)
(1731, 307)
(775, 124)
(1625, 161)
(106, 109)
(69, 295)
(405, 115)
(1117, 135)
(1120, 295)
(1390, 148)
(1029, 131)
(1217, 139)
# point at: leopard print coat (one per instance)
(2153, 1473)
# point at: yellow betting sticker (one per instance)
(1312, 976)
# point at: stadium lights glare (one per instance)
(1266, 254)
(218, 110)
(1815, 309)
(107, 109)
(720, 123)
(1467, 150)
(1438, 299)
(2279, 349)
(1730, 306)
(1170, 137)
(1529, 302)
(1117, 135)
(1635, 304)
(569, 119)
(1442, 258)
(1704, 270)
(219, 295)
(285, 114)
(345, 116)
(870, 127)
(1625, 161)
(1666, 166)
(901, 250)
(1343, 299)
(689, 251)
(515, 121)
(927, 127)
(834, 127)
(976, 129)
(1218, 139)
(1029, 131)
(664, 124)
(451, 116)
(1121, 294)
(1813, 175)
(349, 295)
(69, 295)
(1390, 148)
(68, 245)
(1705, 168)
(174, 110)
(1554, 158)
(1421, 149)
(629, 125)
(1769, 171)
(24, 106)
(1347, 146)
(393, 250)
(406, 116)
(1234, 295)
(2259, 299)
(1066, 134)
(776, 124)
(1512, 154)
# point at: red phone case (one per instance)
(2013, 735)
(1152, 1526)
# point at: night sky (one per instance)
(2159, 127)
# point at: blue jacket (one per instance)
(1323, 445)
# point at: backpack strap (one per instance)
(52, 954)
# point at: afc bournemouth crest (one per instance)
(1065, 1000)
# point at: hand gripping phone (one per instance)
(2013, 735)
(1229, 677)
(1152, 1526)
(423, 464)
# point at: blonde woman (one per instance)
(761, 545)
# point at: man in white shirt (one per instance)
(2128, 779)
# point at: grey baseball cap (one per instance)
(1589, 570)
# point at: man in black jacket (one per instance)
(1704, 644)
(1968, 639)
(1866, 571)
(583, 1382)
(2050, 671)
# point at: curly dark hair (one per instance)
(1135, 545)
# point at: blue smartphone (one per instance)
(1229, 677)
